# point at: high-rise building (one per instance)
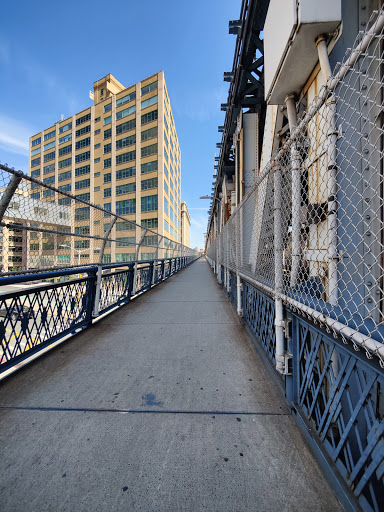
(121, 153)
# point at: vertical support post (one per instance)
(278, 248)
(296, 191)
(136, 258)
(156, 256)
(96, 307)
(239, 296)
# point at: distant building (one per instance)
(22, 249)
(122, 154)
(185, 225)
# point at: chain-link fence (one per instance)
(44, 227)
(311, 230)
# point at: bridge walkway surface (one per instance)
(162, 405)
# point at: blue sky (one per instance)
(49, 60)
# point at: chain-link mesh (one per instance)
(58, 229)
(311, 229)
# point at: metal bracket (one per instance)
(286, 327)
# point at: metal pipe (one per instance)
(296, 192)
(332, 176)
(278, 247)
(9, 191)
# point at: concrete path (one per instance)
(210, 431)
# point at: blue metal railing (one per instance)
(34, 317)
(336, 393)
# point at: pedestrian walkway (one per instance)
(163, 405)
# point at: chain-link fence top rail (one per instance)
(63, 230)
(322, 197)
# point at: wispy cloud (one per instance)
(14, 136)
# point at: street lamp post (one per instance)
(79, 251)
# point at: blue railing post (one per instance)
(91, 285)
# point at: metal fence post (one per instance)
(136, 258)
(9, 191)
(96, 308)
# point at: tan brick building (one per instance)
(121, 153)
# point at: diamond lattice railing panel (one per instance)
(40, 315)
(343, 397)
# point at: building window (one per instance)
(65, 188)
(149, 102)
(127, 141)
(97, 160)
(48, 193)
(126, 207)
(149, 167)
(107, 177)
(166, 207)
(35, 173)
(127, 188)
(149, 134)
(50, 135)
(148, 88)
(96, 174)
(107, 108)
(82, 230)
(125, 173)
(85, 169)
(126, 99)
(97, 132)
(66, 138)
(82, 157)
(83, 130)
(150, 223)
(149, 117)
(106, 258)
(48, 168)
(83, 119)
(36, 142)
(149, 203)
(49, 181)
(81, 244)
(97, 119)
(107, 163)
(124, 241)
(107, 133)
(65, 201)
(166, 188)
(35, 195)
(65, 128)
(65, 163)
(107, 148)
(149, 150)
(148, 184)
(83, 143)
(82, 184)
(35, 151)
(65, 176)
(35, 161)
(65, 150)
(107, 120)
(84, 197)
(125, 226)
(50, 145)
(50, 156)
(107, 208)
(125, 127)
(107, 192)
(96, 189)
(82, 213)
(126, 112)
(125, 157)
